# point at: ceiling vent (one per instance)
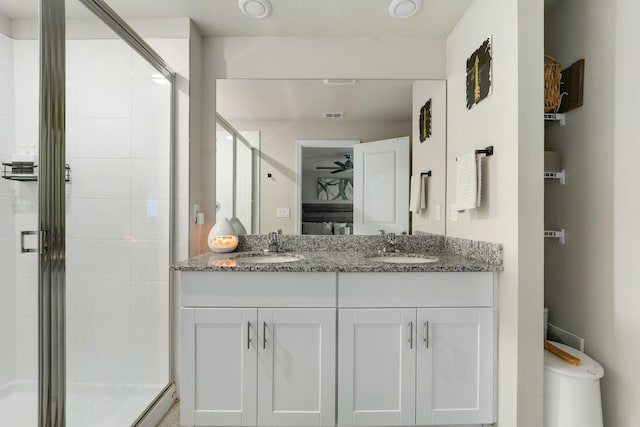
(333, 115)
(257, 9)
(339, 82)
(404, 8)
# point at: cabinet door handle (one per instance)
(411, 335)
(248, 335)
(264, 335)
(426, 334)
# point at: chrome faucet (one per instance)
(272, 241)
(390, 243)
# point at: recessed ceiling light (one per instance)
(255, 8)
(404, 8)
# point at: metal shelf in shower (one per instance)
(27, 173)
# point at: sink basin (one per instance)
(267, 258)
(403, 258)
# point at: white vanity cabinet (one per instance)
(416, 349)
(259, 364)
(262, 349)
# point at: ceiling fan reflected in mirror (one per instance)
(340, 167)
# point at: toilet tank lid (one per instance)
(588, 368)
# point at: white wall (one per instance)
(622, 381)
(7, 224)
(590, 282)
(430, 155)
(278, 157)
(512, 194)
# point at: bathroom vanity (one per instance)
(335, 338)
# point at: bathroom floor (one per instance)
(171, 418)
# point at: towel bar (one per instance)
(488, 151)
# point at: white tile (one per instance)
(104, 98)
(7, 299)
(104, 139)
(71, 98)
(71, 139)
(8, 358)
(26, 264)
(101, 59)
(26, 203)
(6, 57)
(150, 301)
(150, 341)
(7, 135)
(98, 178)
(150, 179)
(7, 259)
(6, 89)
(150, 372)
(106, 371)
(150, 219)
(27, 347)
(26, 131)
(98, 259)
(27, 296)
(100, 219)
(79, 296)
(150, 260)
(26, 59)
(151, 138)
(26, 98)
(7, 223)
(111, 299)
(151, 98)
(110, 340)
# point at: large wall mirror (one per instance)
(326, 156)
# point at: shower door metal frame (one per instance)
(51, 201)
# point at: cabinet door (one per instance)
(220, 345)
(455, 366)
(376, 367)
(296, 367)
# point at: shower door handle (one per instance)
(23, 249)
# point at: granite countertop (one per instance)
(333, 261)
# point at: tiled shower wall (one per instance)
(117, 210)
(7, 230)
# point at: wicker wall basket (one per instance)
(551, 83)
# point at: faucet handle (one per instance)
(380, 232)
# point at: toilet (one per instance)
(572, 393)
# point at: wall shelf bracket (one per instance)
(556, 234)
(557, 117)
(560, 175)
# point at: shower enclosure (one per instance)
(86, 201)
(237, 175)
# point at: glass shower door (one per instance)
(118, 232)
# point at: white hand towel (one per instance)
(468, 181)
(414, 199)
(423, 192)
